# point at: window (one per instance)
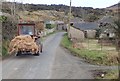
(26, 30)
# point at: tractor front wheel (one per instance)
(41, 48)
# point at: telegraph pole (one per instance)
(13, 9)
(69, 19)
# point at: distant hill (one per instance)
(42, 15)
(81, 12)
(116, 6)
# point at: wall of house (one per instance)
(61, 27)
(76, 34)
(104, 35)
(91, 33)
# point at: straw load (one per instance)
(23, 43)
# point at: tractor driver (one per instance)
(39, 40)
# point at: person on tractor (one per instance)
(39, 40)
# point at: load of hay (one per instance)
(23, 42)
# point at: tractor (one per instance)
(29, 29)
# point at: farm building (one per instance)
(76, 34)
(60, 25)
(107, 35)
(88, 28)
(105, 25)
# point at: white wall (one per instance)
(47, 31)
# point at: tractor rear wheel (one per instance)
(18, 53)
(37, 54)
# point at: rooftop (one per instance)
(86, 26)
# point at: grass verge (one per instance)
(114, 74)
(5, 45)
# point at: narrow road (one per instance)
(54, 63)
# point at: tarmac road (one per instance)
(54, 63)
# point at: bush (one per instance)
(3, 18)
(5, 45)
(4, 50)
(50, 26)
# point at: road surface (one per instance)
(54, 63)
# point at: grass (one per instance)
(44, 37)
(108, 74)
(92, 56)
(114, 74)
(50, 34)
(93, 44)
(5, 44)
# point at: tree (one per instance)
(117, 28)
(50, 26)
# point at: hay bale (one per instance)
(23, 42)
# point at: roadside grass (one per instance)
(50, 34)
(114, 74)
(108, 74)
(44, 37)
(92, 56)
(93, 44)
(5, 45)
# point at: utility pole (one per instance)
(14, 7)
(69, 19)
(13, 10)
(83, 13)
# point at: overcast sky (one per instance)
(83, 3)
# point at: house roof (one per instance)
(86, 26)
